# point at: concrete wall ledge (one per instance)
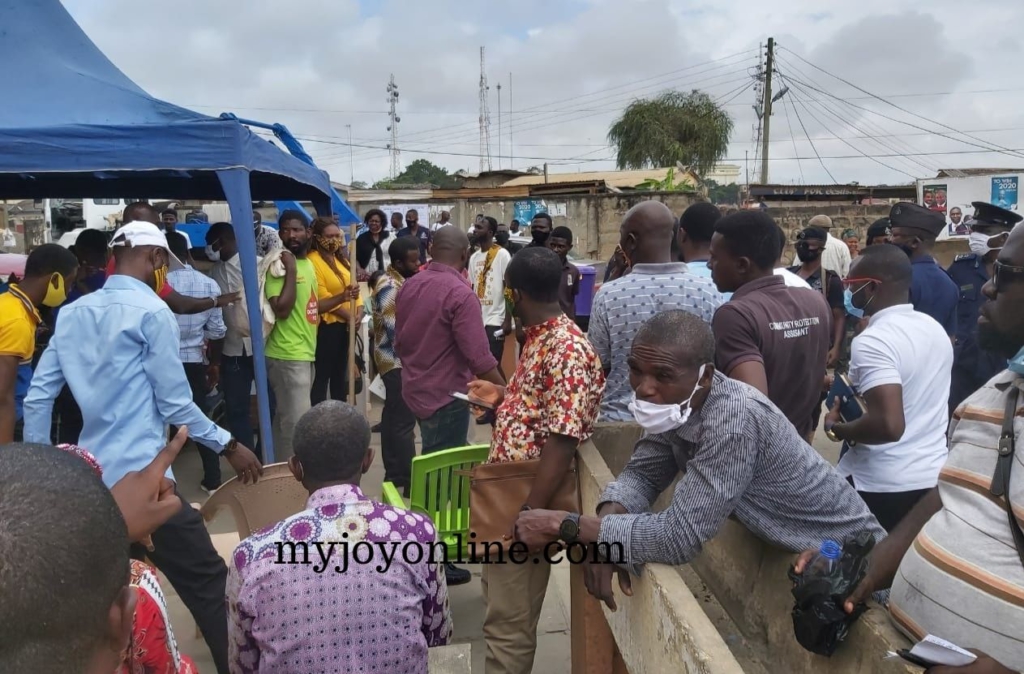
(747, 579)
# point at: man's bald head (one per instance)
(885, 262)
(450, 246)
(141, 211)
(646, 233)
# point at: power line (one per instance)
(551, 117)
(789, 123)
(630, 88)
(843, 120)
(891, 104)
(808, 136)
(896, 146)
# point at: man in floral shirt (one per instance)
(332, 589)
(548, 408)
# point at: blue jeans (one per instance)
(236, 377)
(446, 428)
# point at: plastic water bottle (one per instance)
(823, 564)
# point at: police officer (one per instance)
(878, 232)
(914, 229)
(973, 367)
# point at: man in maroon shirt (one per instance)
(440, 339)
(769, 336)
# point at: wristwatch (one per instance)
(230, 447)
(831, 435)
(525, 508)
(569, 530)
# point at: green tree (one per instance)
(722, 194)
(423, 172)
(674, 127)
(669, 184)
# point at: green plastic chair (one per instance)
(439, 489)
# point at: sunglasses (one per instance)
(1003, 274)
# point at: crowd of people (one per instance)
(702, 335)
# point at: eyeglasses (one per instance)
(1003, 273)
(847, 282)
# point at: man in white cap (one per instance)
(117, 350)
(836, 256)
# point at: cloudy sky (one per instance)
(319, 66)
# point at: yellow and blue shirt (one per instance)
(18, 321)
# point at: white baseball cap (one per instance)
(141, 233)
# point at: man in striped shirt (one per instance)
(738, 456)
(655, 283)
(954, 567)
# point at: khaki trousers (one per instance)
(514, 595)
(291, 381)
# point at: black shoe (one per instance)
(375, 428)
(456, 576)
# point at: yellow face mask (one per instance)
(161, 278)
(55, 291)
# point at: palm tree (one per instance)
(672, 128)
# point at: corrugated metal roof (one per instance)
(959, 173)
(612, 178)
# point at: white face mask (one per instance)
(978, 244)
(655, 418)
(211, 254)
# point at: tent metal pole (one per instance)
(353, 324)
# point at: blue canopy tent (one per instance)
(81, 129)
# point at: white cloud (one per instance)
(574, 65)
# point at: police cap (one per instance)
(986, 214)
(912, 216)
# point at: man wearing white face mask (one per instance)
(738, 455)
(972, 365)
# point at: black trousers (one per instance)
(497, 345)
(196, 373)
(890, 507)
(69, 427)
(331, 364)
(397, 432)
(185, 554)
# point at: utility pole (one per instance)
(393, 120)
(511, 155)
(485, 119)
(499, 126)
(351, 164)
(767, 109)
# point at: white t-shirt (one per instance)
(792, 280)
(909, 348)
(493, 301)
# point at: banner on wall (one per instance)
(524, 210)
(1004, 192)
(422, 210)
(953, 198)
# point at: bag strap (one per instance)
(1004, 464)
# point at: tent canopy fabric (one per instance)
(79, 127)
(78, 116)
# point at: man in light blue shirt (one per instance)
(694, 230)
(117, 350)
(656, 283)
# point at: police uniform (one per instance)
(973, 366)
(931, 290)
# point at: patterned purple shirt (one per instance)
(376, 604)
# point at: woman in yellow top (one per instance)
(334, 292)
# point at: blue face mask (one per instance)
(850, 309)
(1017, 362)
(848, 301)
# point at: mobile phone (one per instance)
(473, 401)
(915, 660)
